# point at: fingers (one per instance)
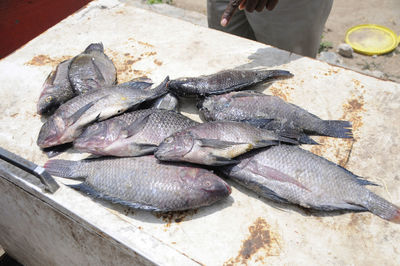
(229, 11)
(271, 4)
(251, 5)
(260, 5)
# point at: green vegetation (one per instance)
(324, 45)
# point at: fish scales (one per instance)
(91, 70)
(224, 81)
(275, 113)
(143, 182)
(216, 143)
(70, 119)
(56, 90)
(290, 174)
(115, 137)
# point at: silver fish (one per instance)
(143, 182)
(56, 90)
(68, 122)
(92, 69)
(271, 112)
(131, 134)
(289, 174)
(224, 81)
(216, 143)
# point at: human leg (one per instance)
(238, 24)
(295, 26)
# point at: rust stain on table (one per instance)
(262, 242)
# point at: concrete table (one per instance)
(69, 228)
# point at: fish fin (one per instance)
(381, 207)
(335, 129)
(339, 206)
(220, 160)
(217, 144)
(247, 93)
(144, 149)
(78, 114)
(94, 47)
(258, 122)
(65, 169)
(139, 85)
(56, 150)
(264, 143)
(162, 88)
(87, 189)
(396, 217)
(99, 75)
(360, 180)
(296, 134)
(274, 174)
(137, 125)
(305, 139)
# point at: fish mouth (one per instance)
(51, 133)
(221, 189)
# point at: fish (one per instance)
(271, 112)
(224, 81)
(143, 182)
(56, 90)
(166, 102)
(216, 143)
(131, 134)
(70, 119)
(91, 70)
(290, 174)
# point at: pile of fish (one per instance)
(154, 158)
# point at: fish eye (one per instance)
(48, 99)
(168, 140)
(207, 183)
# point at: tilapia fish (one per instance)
(166, 102)
(56, 90)
(224, 81)
(271, 112)
(143, 182)
(131, 134)
(92, 69)
(216, 143)
(68, 122)
(289, 174)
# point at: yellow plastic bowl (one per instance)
(371, 39)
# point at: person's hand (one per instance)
(249, 5)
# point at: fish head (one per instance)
(175, 147)
(98, 137)
(48, 101)
(51, 132)
(205, 187)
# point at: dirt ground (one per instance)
(345, 14)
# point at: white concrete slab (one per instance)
(243, 229)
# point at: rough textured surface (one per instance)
(345, 50)
(237, 225)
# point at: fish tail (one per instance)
(383, 208)
(162, 88)
(336, 129)
(64, 168)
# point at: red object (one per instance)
(23, 20)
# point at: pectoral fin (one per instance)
(137, 125)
